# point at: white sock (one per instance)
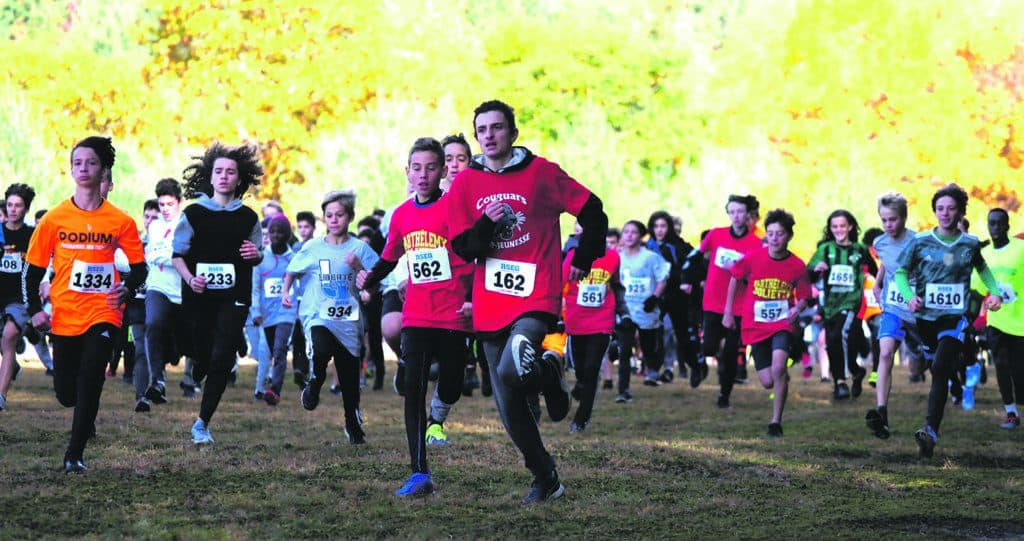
(1011, 408)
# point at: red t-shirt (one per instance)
(723, 248)
(522, 272)
(439, 280)
(773, 287)
(590, 302)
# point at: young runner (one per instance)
(897, 324)
(839, 261)
(504, 213)
(16, 234)
(722, 247)
(1005, 333)
(305, 226)
(216, 245)
(330, 311)
(777, 289)
(644, 275)
(436, 315)
(267, 311)
(457, 154)
(133, 325)
(80, 235)
(590, 308)
(939, 262)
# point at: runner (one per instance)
(897, 324)
(839, 261)
(1005, 333)
(457, 154)
(216, 245)
(133, 323)
(722, 247)
(644, 275)
(504, 212)
(590, 308)
(777, 290)
(16, 234)
(80, 235)
(436, 315)
(939, 263)
(330, 306)
(267, 311)
(305, 226)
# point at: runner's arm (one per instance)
(594, 222)
(475, 242)
(30, 288)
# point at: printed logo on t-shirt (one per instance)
(511, 223)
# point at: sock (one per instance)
(439, 409)
(884, 412)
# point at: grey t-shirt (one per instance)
(889, 250)
(330, 298)
(640, 274)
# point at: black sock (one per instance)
(884, 412)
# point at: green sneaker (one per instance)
(435, 435)
(873, 379)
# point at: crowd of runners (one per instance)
(469, 283)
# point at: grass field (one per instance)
(670, 465)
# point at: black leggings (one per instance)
(326, 347)
(587, 352)
(723, 344)
(78, 365)
(651, 343)
(421, 346)
(843, 336)
(216, 326)
(1008, 353)
(943, 345)
(375, 338)
(687, 341)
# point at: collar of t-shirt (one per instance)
(519, 155)
(208, 203)
(430, 201)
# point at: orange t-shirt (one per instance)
(82, 244)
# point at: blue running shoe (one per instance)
(968, 398)
(418, 484)
(201, 433)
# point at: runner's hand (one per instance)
(198, 284)
(576, 274)
(249, 251)
(41, 321)
(466, 311)
(821, 267)
(915, 304)
(286, 300)
(352, 260)
(993, 303)
(728, 321)
(361, 278)
(495, 211)
(117, 295)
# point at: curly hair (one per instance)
(954, 191)
(197, 176)
(781, 217)
(24, 191)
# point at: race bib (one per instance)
(91, 277)
(1006, 293)
(944, 296)
(724, 258)
(841, 276)
(273, 287)
(637, 287)
(510, 277)
(428, 266)
(771, 311)
(893, 297)
(11, 263)
(591, 295)
(335, 310)
(218, 275)
(870, 299)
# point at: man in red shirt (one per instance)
(503, 214)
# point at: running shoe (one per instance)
(435, 435)
(651, 381)
(876, 423)
(354, 429)
(546, 489)
(926, 440)
(74, 466)
(723, 401)
(1012, 421)
(156, 394)
(336, 390)
(699, 374)
(625, 397)
(667, 376)
(257, 396)
(201, 433)
(775, 430)
(873, 379)
(555, 390)
(418, 484)
(142, 406)
(188, 391)
(576, 428)
(524, 357)
(310, 396)
(841, 392)
(858, 383)
(271, 397)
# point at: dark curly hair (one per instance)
(24, 191)
(197, 176)
(954, 191)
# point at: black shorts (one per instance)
(762, 351)
(392, 302)
(999, 340)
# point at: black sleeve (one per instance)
(475, 242)
(30, 288)
(594, 222)
(691, 268)
(621, 309)
(380, 269)
(136, 277)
